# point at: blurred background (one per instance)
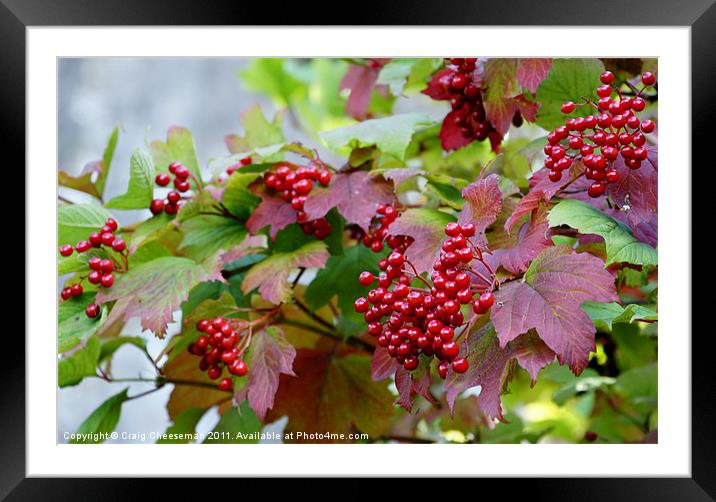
(146, 96)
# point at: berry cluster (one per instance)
(460, 84)
(598, 140)
(246, 161)
(378, 232)
(101, 269)
(218, 347)
(173, 202)
(294, 183)
(424, 320)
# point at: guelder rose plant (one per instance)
(303, 289)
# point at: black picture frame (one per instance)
(700, 15)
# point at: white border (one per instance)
(671, 457)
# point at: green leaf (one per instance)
(107, 157)
(640, 386)
(570, 79)
(237, 198)
(71, 370)
(236, 426)
(621, 244)
(634, 349)
(205, 235)
(110, 346)
(340, 277)
(102, 421)
(76, 221)
(259, 132)
(140, 191)
(407, 74)
(179, 147)
(391, 135)
(183, 430)
(605, 314)
(152, 291)
(447, 189)
(73, 325)
(588, 381)
(268, 76)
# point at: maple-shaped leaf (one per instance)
(140, 191)
(391, 135)
(637, 191)
(82, 183)
(382, 365)
(411, 384)
(153, 290)
(621, 245)
(483, 203)
(270, 276)
(516, 250)
(274, 212)
(179, 147)
(532, 71)
(503, 95)
(185, 367)
(526, 205)
(427, 228)
(439, 86)
(268, 356)
(555, 285)
(451, 135)
(356, 195)
(332, 393)
(259, 132)
(360, 80)
(491, 364)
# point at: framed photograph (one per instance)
(333, 251)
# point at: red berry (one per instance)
(107, 280)
(568, 107)
(648, 78)
(324, 178)
(238, 368)
(66, 293)
(468, 230)
(443, 369)
(107, 238)
(225, 384)
(95, 277)
(361, 305)
(590, 436)
(95, 239)
(173, 167)
(119, 245)
(647, 126)
(66, 250)
(214, 372)
(607, 77)
(76, 289)
(596, 189)
(366, 278)
(92, 310)
(157, 206)
(162, 179)
(487, 299)
(452, 229)
(106, 265)
(83, 246)
(181, 173)
(460, 365)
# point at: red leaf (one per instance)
(525, 206)
(427, 228)
(532, 71)
(360, 80)
(483, 201)
(273, 211)
(439, 86)
(356, 194)
(382, 365)
(415, 383)
(332, 393)
(490, 366)
(516, 252)
(451, 136)
(637, 190)
(556, 284)
(269, 356)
